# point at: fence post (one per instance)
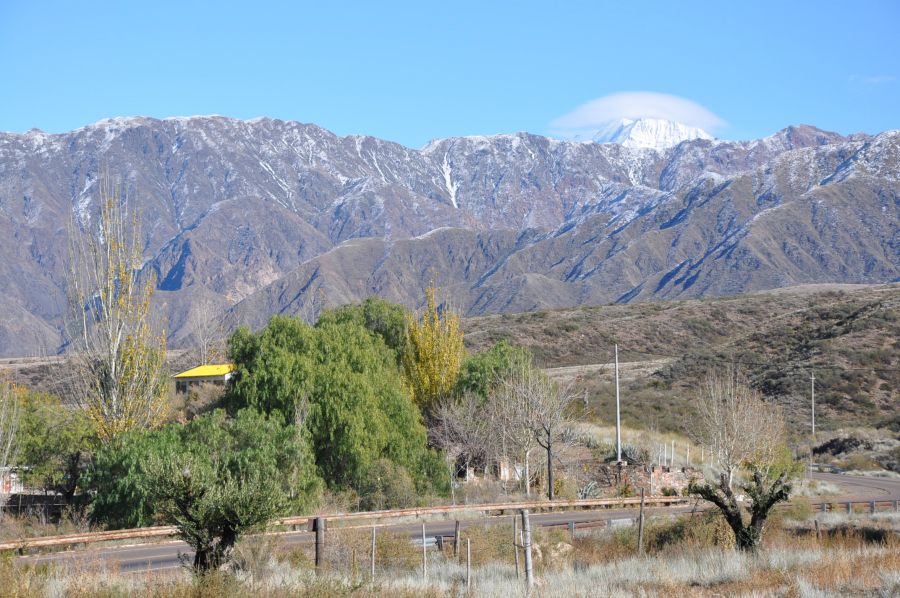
(641, 526)
(515, 544)
(319, 525)
(424, 555)
(526, 530)
(818, 532)
(468, 564)
(373, 554)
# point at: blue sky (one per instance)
(414, 71)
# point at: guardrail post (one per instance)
(849, 507)
(424, 555)
(897, 505)
(319, 528)
(873, 506)
(572, 530)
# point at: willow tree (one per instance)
(118, 356)
(434, 353)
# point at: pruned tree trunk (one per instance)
(764, 497)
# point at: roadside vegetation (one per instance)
(687, 556)
(373, 406)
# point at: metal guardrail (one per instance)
(169, 531)
(869, 506)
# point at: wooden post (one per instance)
(641, 525)
(373, 554)
(526, 530)
(516, 544)
(572, 530)
(468, 564)
(818, 532)
(456, 540)
(424, 555)
(873, 506)
(319, 528)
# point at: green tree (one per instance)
(135, 483)
(386, 320)
(483, 372)
(55, 441)
(342, 384)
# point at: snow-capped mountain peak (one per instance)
(652, 133)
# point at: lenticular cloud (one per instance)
(632, 106)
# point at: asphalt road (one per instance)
(162, 556)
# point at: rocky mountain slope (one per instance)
(266, 216)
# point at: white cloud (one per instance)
(584, 120)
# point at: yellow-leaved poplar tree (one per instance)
(434, 352)
(118, 358)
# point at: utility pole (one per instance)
(618, 420)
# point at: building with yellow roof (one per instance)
(214, 373)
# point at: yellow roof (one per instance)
(215, 369)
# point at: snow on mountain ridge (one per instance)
(653, 133)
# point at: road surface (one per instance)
(163, 556)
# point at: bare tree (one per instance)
(206, 330)
(511, 418)
(742, 432)
(461, 429)
(9, 427)
(544, 404)
(118, 357)
(530, 411)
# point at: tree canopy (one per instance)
(484, 371)
(341, 381)
(54, 442)
(132, 481)
(434, 354)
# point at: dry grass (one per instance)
(852, 555)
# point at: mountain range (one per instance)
(253, 218)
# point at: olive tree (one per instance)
(743, 434)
